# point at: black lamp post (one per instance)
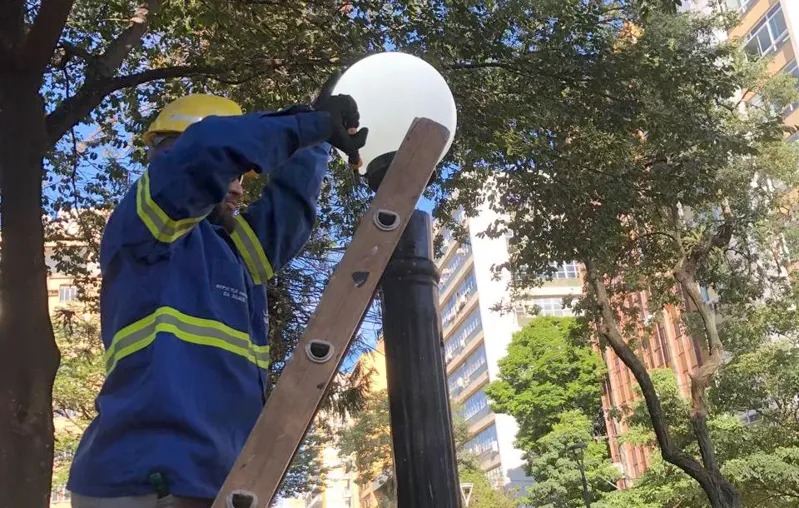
(421, 424)
(578, 450)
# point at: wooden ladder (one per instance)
(284, 421)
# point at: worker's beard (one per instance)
(224, 216)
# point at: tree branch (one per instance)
(685, 274)
(99, 81)
(700, 380)
(43, 36)
(91, 94)
(120, 47)
(610, 330)
(71, 50)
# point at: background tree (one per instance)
(76, 385)
(759, 458)
(549, 370)
(554, 468)
(644, 176)
(551, 382)
(759, 382)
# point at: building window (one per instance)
(792, 69)
(567, 271)
(757, 101)
(767, 35)
(457, 301)
(484, 442)
(453, 265)
(552, 307)
(462, 335)
(739, 5)
(474, 405)
(466, 373)
(67, 293)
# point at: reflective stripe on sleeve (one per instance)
(251, 251)
(203, 332)
(155, 218)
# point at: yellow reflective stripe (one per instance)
(204, 332)
(155, 218)
(251, 251)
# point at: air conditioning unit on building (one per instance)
(495, 447)
(461, 382)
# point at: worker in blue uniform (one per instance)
(183, 301)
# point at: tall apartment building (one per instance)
(770, 30)
(476, 337)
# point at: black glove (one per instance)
(344, 116)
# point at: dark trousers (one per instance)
(150, 501)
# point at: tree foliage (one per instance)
(76, 385)
(544, 375)
(550, 382)
(760, 458)
(554, 468)
(365, 442)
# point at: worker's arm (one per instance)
(281, 220)
(182, 185)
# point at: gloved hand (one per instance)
(344, 118)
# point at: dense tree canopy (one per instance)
(544, 375)
(555, 467)
(652, 173)
(550, 382)
(759, 457)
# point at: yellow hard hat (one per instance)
(180, 113)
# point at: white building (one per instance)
(476, 337)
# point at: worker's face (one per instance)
(233, 197)
(225, 211)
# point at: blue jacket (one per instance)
(183, 304)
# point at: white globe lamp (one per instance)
(392, 89)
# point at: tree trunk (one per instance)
(723, 494)
(720, 492)
(28, 355)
